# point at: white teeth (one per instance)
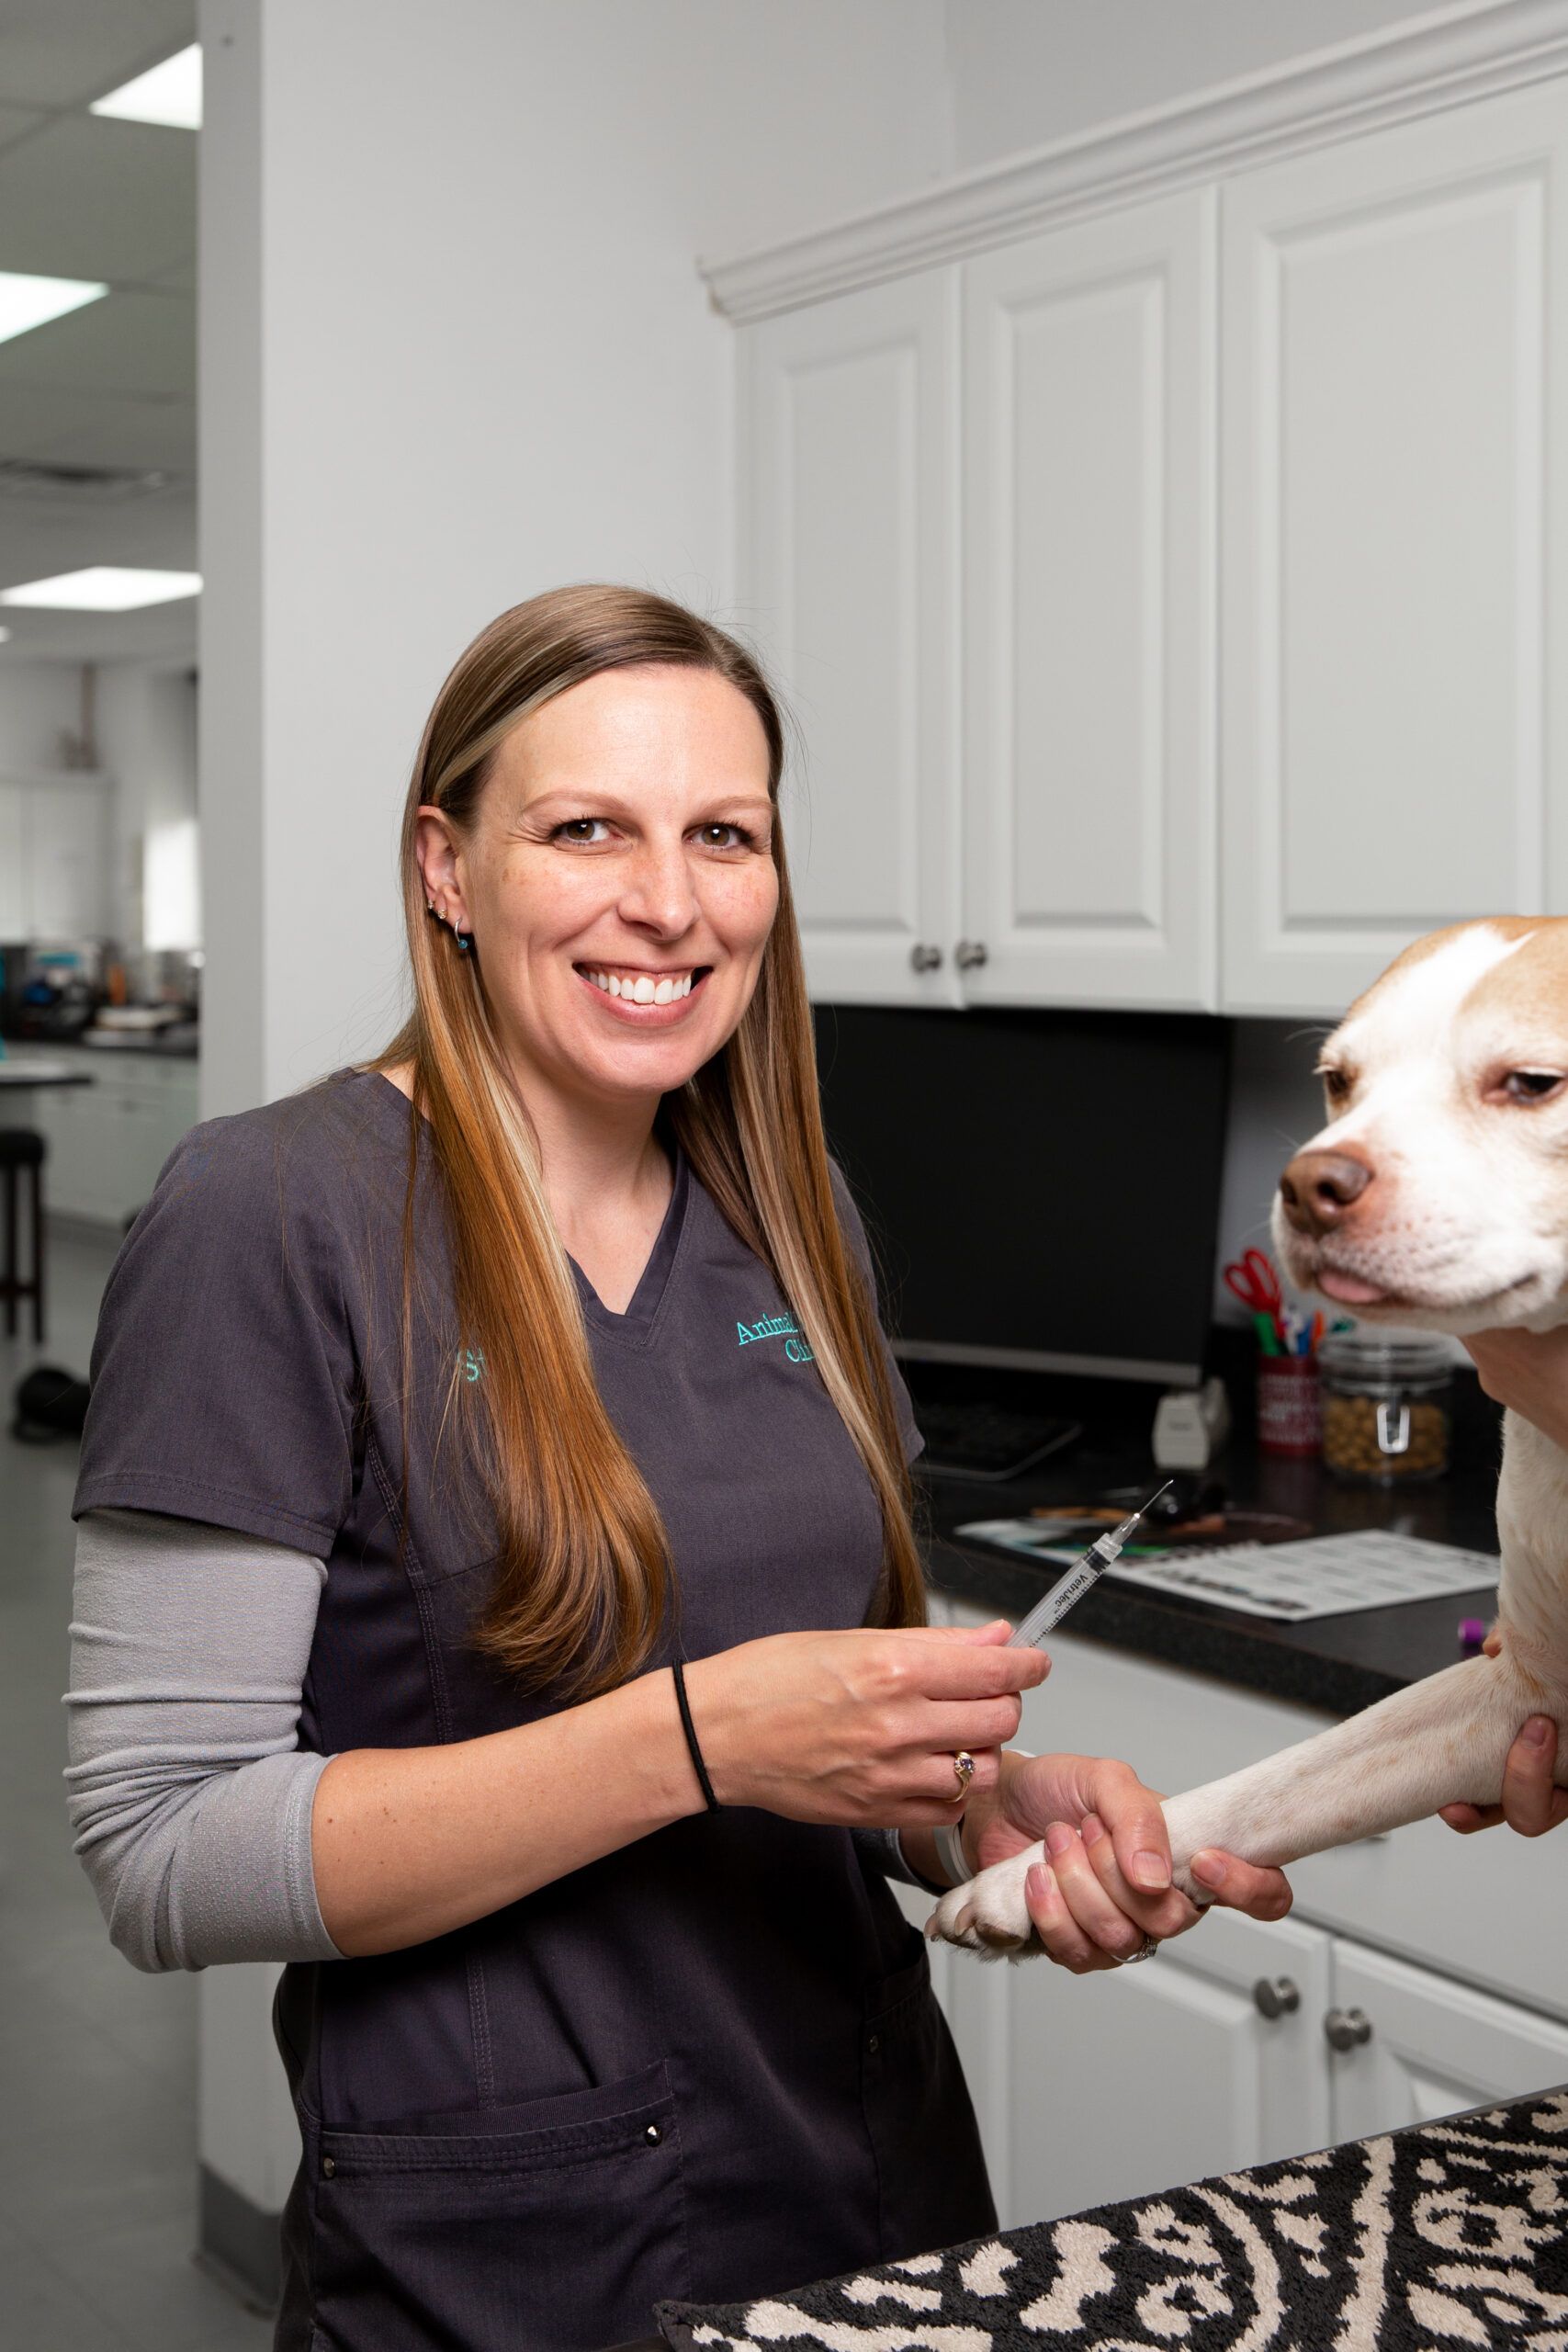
(644, 990)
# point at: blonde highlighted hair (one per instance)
(583, 1580)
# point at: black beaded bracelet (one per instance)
(692, 1738)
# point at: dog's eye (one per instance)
(1530, 1085)
(1335, 1084)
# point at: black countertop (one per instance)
(1340, 1663)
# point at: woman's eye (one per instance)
(1530, 1085)
(577, 829)
(740, 839)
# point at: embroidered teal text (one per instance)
(777, 1326)
(472, 1362)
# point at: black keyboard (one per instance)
(995, 1442)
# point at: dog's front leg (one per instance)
(1442, 1741)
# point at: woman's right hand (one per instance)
(859, 1728)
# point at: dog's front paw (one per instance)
(990, 1914)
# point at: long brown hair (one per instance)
(583, 1578)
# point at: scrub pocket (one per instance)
(550, 2227)
(932, 2184)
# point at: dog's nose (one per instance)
(1318, 1187)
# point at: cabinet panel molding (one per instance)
(1089, 755)
(1436, 2047)
(849, 556)
(1393, 313)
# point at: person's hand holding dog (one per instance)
(1107, 1884)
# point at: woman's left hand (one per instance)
(1107, 1884)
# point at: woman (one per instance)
(441, 1415)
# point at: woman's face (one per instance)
(618, 878)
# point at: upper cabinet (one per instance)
(849, 418)
(1087, 767)
(54, 856)
(1393, 497)
(1161, 580)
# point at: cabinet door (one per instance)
(848, 556)
(1436, 2046)
(1143, 2078)
(1087, 487)
(13, 861)
(1393, 502)
(68, 859)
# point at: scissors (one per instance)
(1252, 1279)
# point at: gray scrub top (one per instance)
(708, 2064)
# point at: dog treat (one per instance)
(1352, 1447)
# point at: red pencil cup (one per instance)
(1290, 1417)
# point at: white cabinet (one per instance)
(13, 849)
(1433, 2048)
(848, 479)
(1089, 2089)
(1395, 530)
(54, 856)
(1088, 805)
(107, 1142)
(1266, 477)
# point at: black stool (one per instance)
(22, 1148)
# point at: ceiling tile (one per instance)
(41, 540)
(90, 197)
(158, 632)
(128, 343)
(63, 53)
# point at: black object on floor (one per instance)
(1449, 2232)
(22, 1153)
(49, 1404)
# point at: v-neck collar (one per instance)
(635, 1328)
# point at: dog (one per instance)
(1436, 1198)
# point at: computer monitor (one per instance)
(1042, 1188)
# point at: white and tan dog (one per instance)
(1437, 1197)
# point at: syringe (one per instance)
(1083, 1573)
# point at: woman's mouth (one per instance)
(646, 996)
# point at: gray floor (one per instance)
(97, 2063)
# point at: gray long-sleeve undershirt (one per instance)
(189, 1795)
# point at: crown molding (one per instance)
(1418, 67)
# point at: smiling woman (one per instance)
(512, 1417)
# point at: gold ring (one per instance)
(963, 1765)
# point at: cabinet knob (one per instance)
(1347, 2029)
(925, 959)
(1276, 1996)
(969, 955)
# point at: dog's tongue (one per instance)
(1349, 1290)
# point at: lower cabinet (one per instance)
(107, 1141)
(1238, 2044)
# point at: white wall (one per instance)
(1025, 71)
(40, 702)
(490, 366)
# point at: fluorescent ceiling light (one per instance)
(104, 588)
(28, 302)
(170, 93)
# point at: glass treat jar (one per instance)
(1387, 1407)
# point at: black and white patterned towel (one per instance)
(1452, 2234)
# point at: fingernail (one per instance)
(1208, 1870)
(1538, 1731)
(1150, 1870)
(1035, 1883)
(1058, 1837)
(1093, 1829)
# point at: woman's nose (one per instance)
(659, 888)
